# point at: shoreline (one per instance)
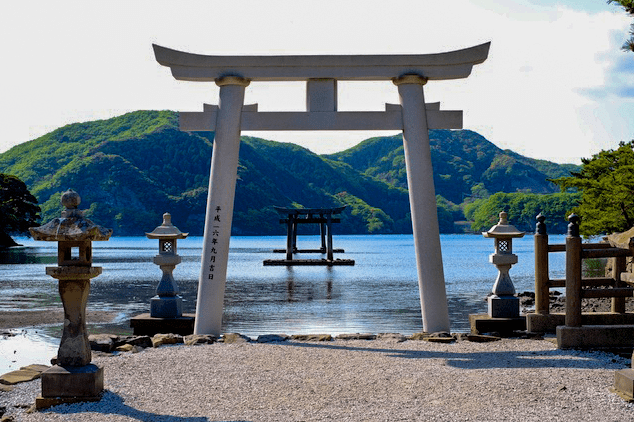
(17, 319)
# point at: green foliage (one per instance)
(594, 267)
(37, 160)
(606, 182)
(131, 169)
(448, 212)
(461, 159)
(18, 209)
(278, 174)
(628, 5)
(522, 208)
(375, 220)
(478, 191)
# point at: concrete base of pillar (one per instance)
(70, 385)
(504, 306)
(624, 384)
(540, 323)
(548, 323)
(595, 336)
(166, 307)
(146, 325)
(483, 323)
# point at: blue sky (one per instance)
(556, 85)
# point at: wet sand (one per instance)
(29, 319)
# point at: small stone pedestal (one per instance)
(70, 384)
(73, 378)
(504, 306)
(505, 327)
(147, 325)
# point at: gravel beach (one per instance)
(348, 380)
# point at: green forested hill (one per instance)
(131, 169)
(462, 160)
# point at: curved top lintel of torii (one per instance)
(197, 67)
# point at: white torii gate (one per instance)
(321, 73)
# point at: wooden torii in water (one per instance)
(409, 72)
(322, 216)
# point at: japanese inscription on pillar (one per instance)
(215, 236)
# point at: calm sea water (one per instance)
(378, 294)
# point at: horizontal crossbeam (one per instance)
(605, 253)
(616, 292)
(197, 67)
(309, 211)
(310, 220)
(348, 120)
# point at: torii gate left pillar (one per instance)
(220, 198)
(412, 116)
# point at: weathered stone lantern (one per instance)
(73, 377)
(503, 303)
(167, 303)
(166, 308)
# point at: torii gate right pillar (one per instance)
(422, 199)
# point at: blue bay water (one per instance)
(378, 294)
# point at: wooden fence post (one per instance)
(619, 266)
(573, 273)
(542, 278)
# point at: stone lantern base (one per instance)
(166, 307)
(503, 317)
(70, 385)
(504, 306)
(505, 327)
(146, 325)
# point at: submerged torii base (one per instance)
(321, 73)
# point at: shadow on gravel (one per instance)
(580, 359)
(113, 404)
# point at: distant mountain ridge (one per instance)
(461, 160)
(131, 169)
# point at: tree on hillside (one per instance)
(522, 208)
(18, 209)
(628, 5)
(606, 182)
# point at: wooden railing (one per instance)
(577, 286)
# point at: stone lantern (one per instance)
(503, 303)
(167, 303)
(166, 308)
(73, 377)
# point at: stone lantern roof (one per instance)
(166, 230)
(503, 229)
(72, 225)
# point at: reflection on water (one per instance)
(25, 255)
(19, 348)
(378, 294)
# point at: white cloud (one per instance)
(554, 86)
